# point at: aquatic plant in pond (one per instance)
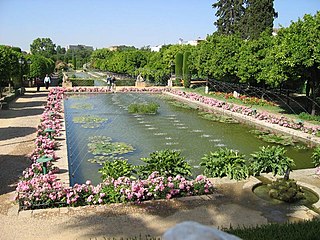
(217, 117)
(143, 108)
(102, 159)
(86, 106)
(89, 121)
(285, 190)
(269, 137)
(102, 145)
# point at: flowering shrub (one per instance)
(245, 99)
(45, 191)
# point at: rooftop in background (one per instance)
(79, 47)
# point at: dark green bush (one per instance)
(270, 159)
(225, 162)
(316, 157)
(115, 169)
(166, 162)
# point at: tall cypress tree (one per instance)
(229, 13)
(258, 17)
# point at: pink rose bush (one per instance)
(38, 190)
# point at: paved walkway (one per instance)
(234, 203)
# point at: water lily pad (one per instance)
(85, 106)
(102, 159)
(102, 145)
(274, 138)
(88, 121)
(217, 118)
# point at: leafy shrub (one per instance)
(166, 162)
(309, 117)
(225, 162)
(143, 108)
(316, 157)
(270, 159)
(285, 190)
(115, 169)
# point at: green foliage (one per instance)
(309, 117)
(115, 169)
(186, 70)
(285, 190)
(166, 162)
(258, 17)
(143, 108)
(316, 157)
(270, 159)
(86, 106)
(40, 66)
(280, 231)
(104, 146)
(225, 162)
(179, 65)
(89, 121)
(43, 46)
(229, 14)
(217, 118)
(269, 137)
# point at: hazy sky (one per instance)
(102, 23)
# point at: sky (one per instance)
(105, 23)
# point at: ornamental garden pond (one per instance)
(139, 144)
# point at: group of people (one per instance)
(111, 82)
(46, 82)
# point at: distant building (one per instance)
(113, 48)
(156, 48)
(192, 42)
(79, 47)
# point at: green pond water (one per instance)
(172, 127)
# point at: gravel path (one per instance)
(234, 203)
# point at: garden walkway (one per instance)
(234, 203)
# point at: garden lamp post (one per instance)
(21, 62)
(44, 160)
(28, 63)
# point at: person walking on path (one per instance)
(47, 81)
(38, 83)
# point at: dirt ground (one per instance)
(233, 204)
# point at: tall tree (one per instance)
(43, 46)
(229, 13)
(258, 17)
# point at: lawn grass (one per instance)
(306, 230)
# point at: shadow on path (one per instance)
(14, 132)
(11, 169)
